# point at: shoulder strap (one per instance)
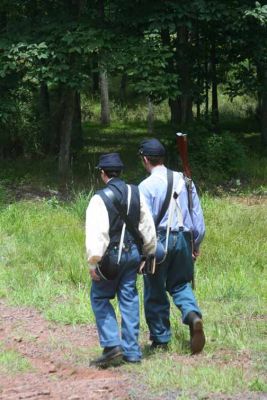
(109, 193)
(167, 200)
(188, 184)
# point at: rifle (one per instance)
(181, 141)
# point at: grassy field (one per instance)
(42, 254)
(42, 264)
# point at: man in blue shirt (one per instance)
(176, 231)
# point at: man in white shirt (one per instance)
(106, 236)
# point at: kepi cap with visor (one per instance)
(151, 147)
(110, 162)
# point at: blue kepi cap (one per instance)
(151, 147)
(110, 162)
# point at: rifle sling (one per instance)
(109, 193)
(188, 185)
(167, 199)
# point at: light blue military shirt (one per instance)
(154, 190)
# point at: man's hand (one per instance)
(195, 254)
(94, 275)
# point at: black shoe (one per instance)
(158, 346)
(197, 336)
(131, 360)
(109, 356)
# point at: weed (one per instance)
(12, 362)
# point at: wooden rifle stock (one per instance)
(181, 141)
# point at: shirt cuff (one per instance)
(93, 259)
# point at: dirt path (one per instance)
(58, 356)
(59, 364)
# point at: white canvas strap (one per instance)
(129, 195)
(178, 190)
(174, 206)
(169, 222)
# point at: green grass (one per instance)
(42, 264)
(42, 259)
(11, 362)
(199, 379)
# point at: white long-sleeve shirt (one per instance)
(97, 229)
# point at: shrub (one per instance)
(213, 157)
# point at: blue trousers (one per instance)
(125, 289)
(172, 276)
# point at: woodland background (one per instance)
(79, 78)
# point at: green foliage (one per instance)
(79, 204)
(214, 158)
(258, 385)
(3, 195)
(222, 154)
(149, 73)
(19, 124)
(164, 50)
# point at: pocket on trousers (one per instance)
(187, 272)
(185, 263)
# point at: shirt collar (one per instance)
(111, 180)
(158, 168)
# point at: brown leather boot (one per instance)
(197, 336)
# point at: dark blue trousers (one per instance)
(125, 289)
(172, 276)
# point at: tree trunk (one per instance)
(95, 76)
(175, 111)
(57, 112)
(206, 87)
(77, 138)
(173, 103)
(198, 109)
(150, 117)
(199, 80)
(105, 113)
(185, 76)
(45, 118)
(215, 109)
(103, 77)
(65, 134)
(264, 109)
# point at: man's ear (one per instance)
(145, 159)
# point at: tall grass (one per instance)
(42, 264)
(42, 258)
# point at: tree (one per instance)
(257, 23)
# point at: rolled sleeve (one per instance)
(96, 230)
(147, 228)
